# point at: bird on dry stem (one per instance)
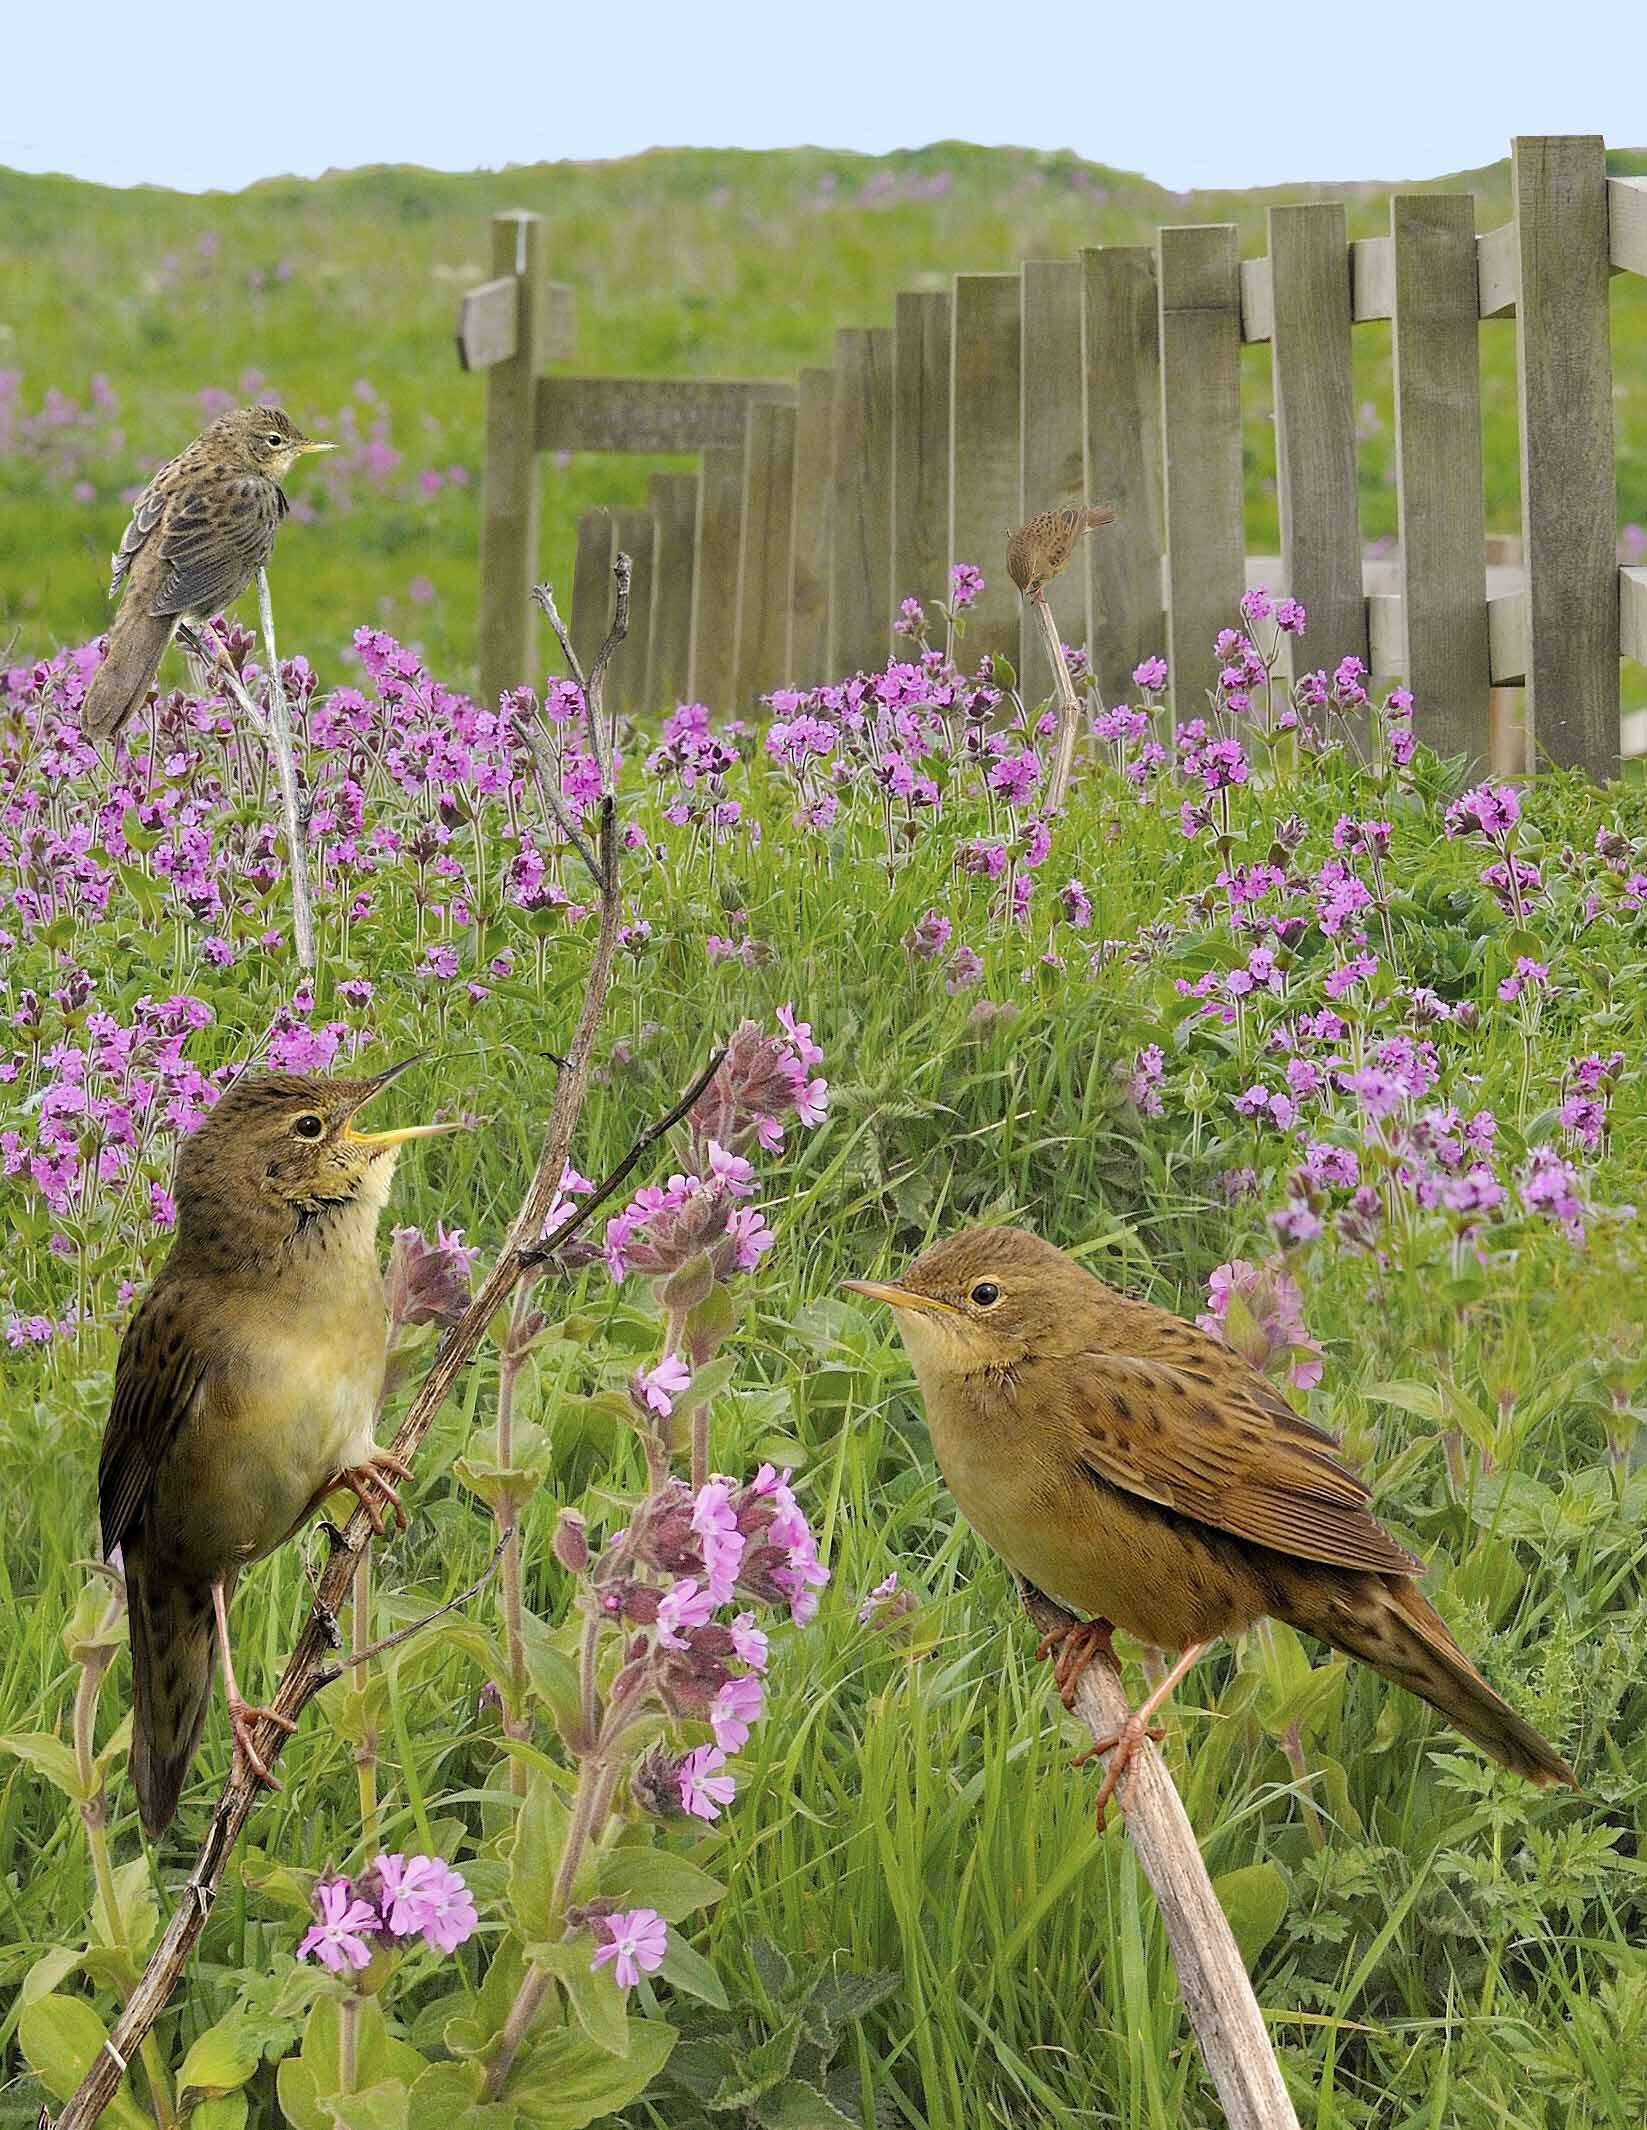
(1036, 552)
(246, 1391)
(199, 533)
(1138, 1470)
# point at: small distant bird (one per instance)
(1036, 552)
(1141, 1472)
(199, 534)
(246, 1391)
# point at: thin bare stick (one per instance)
(297, 834)
(1069, 707)
(405, 1634)
(1212, 1977)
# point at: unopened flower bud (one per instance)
(655, 1785)
(571, 1542)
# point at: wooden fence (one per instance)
(820, 503)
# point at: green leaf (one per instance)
(541, 1829)
(760, 2069)
(772, 1965)
(379, 2107)
(708, 1326)
(553, 1675)
(565, 2082)
(593, 1993)
(795, 2105)
(59, 2036)
(646, 1877)
(442, 2095)
(50, 1969)
(219, 2061)
(845, 1996)
(51, 1757)
(138, 1912)
(299, 2103)
(1255, 1900)
(227, 2112)
(688, 1970)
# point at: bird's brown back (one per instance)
(1038, 550)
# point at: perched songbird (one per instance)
(199, 534)
(1141, 1472)
(246, 1390)
(1036, 552)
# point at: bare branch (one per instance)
(1212, 1977)
(1069, 707)
(405, 1634)
(543, 596)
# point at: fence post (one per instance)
(1051, 448)
(1315, 428)
(984, 447)
(591, 583)
(1569, 490)
(807, 662)
(920, 445)
(763, 568)
(674, 500)
(715, 576)
(860, 570)
(1121, 362)
(1200, 319)
(634, 534)
(1436, 339)
(509, 498)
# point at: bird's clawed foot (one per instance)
(1073, 1648)
(1121, 1746)
(369, 1481)
(243, 1720)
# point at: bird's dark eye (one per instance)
(308, 1127)
(986, 1294)
(276, 441)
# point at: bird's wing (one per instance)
(217, 535)
(146, 515)
(1210, 1438)
(158, 1376)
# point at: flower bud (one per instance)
(655, 1786)
(571, 1542)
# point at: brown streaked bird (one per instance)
(1036, 552)
(1141, 1472)
(199, 534)
(246, 1391)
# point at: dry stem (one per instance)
(1069, 707)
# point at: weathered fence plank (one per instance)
(591, 584)
(1627, 225)
(674, 500)
(860, 567)
(1052, 452)
(1200, 328)
(1569, 494)
(633, 534)
(1632, 614)
(763, 567)
(808, 659)
(648, 413)
(1497, 271)
(488, 325)
(920, 445)
(1315, 427)
(715, 578)
(984, 424)
(509, 501)
(1444, 656)
(1121, 365)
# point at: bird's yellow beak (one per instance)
(313, 443)
(898, 1297)
(381, 1140)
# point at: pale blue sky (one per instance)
(1187, 92)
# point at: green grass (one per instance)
(684, 262)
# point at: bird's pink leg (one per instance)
(368, 1480)
(1074, 1647)
(244, 1716)
(1123, 1744)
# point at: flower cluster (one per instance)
(397, 1899)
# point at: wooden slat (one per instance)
(674, 500)
(763, 568)
(1569, 497)
(1200, 323)
(1257, 300)
(486, 323)
(591, 584)
(1386, 634)
(648, 413)
(920, 445)
(1372, 278)
(1507, 638)
(635, 535)
(1632, 614)
(715, 576)
(860, 573)
(1496, 271)
(1627, 225)
(983, 452)
(808, 663)
(1438, 471)
(1052, 454)
(509, 496)
(1121, 364)
(1315, 427)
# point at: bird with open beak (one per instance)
(1144, 1474)
(246, 1390)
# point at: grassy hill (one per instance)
(124, 311)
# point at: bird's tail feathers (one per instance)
(1387, 1622)
(172, 1652)
(137, 643)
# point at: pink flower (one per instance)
(739, 1703)
(733, 1171)
(685, 1605)
(637, 1940)
(449, 1917)
(657, 1390)
(703, 1791)
(342, 1936)
(749, 1641)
